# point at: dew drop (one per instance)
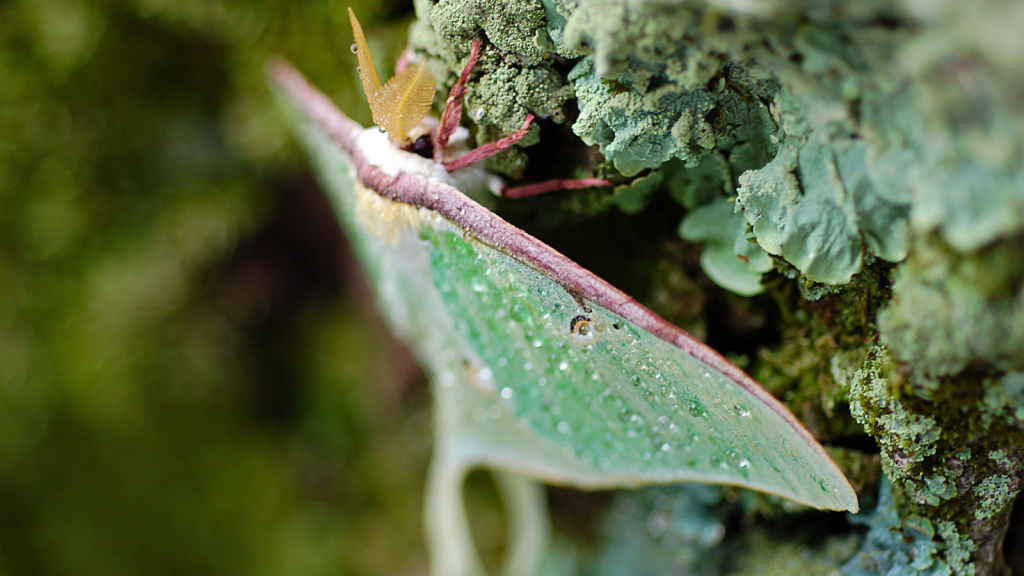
(563, 427)
(823, 485)
(697, 410)
(735, 457)
(354, 48)
(660, 444)
(542, 382)
(359, 69)
(742, 411)
(506, 393)
(502, 361)
(485, 373)
(563, 365)
(528, 366)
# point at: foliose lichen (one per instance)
(816, 203)
(730, 256)
(903, 546)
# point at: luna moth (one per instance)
(540, 370)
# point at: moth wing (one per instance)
(602, 402)
(542, 381)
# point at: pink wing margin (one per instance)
(490, 229)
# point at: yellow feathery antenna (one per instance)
(400, 104)
(367, 71)
(405, 100)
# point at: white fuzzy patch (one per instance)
(391, 160)
(381, 152)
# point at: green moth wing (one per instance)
(539, 368)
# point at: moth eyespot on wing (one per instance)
(586, 330)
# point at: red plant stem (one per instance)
(489, 149)
(551, 186)
(453, 110)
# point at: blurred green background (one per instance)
(192, 380)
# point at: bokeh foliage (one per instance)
(183, 389)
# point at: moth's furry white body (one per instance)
(393, 161)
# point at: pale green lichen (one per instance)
(995, 494)
(658, 84)
(1004, 399)
(729, 257)
(638, 125)
(906, 546)
(949, 311)
(632, 198)
(895, 546)
(898, 431)
(816, 204)
(968, 177)
(958, 548)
